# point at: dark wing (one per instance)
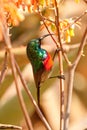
(38, 77)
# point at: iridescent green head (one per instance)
(34, 44)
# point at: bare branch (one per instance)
(2, 75)
(68, 48)
(71, 80)
(80, 51)
(44, 18)
(15, 68)
(32, 99)
(27, 118)
(8, 126)
(76, 20)
(60, 66)
(8, 46)
(85, 1)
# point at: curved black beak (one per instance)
(41, 38)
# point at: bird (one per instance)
(41, 62)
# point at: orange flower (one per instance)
(12, 14)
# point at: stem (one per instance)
(8, 46)
(57, 44)
(32, 99)
(76, 20)
(4, 68)
(46, 19)
(8, 126)
(80, 51)
(69, 97)
(27, 118)
(14, 68)
(68, 48)
(60, 67)
(85, 1)
(48, 29)
(71, 80)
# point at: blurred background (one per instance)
(10, 111)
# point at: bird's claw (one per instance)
(58, 76)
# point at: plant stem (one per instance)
(27, 118)
(14, 68)
(32, 99)
(8, 46)
(71, 80)
(8, 126)
(60, 67)
(76, 20)
(2, 75)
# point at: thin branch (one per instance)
(32, 99)
(42, 18)
(27, 118)
(68, 48)
(2, 75)
(76, 20)
(61, 2)
(8, 46)
(69, 97)
(60, 67)
(85, 1)
(57, 44)
(71, 80)
(80, 51)
(8, 126)
(47, 19)
(14, 67)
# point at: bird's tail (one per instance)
(38, 95)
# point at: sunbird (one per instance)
(41, 61)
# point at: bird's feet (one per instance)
(58, 76)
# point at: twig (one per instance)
(27, 118)
(61, 2)
(60, 67)
(85, 1)
(44, 18)
(71, 79)
(80, 51)
(17, 51)
(2, 75)
(32, 99)
(77, 19)
(57, 44)
(8, 126)
(8, 46)
(14, 67)
(68, 48)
